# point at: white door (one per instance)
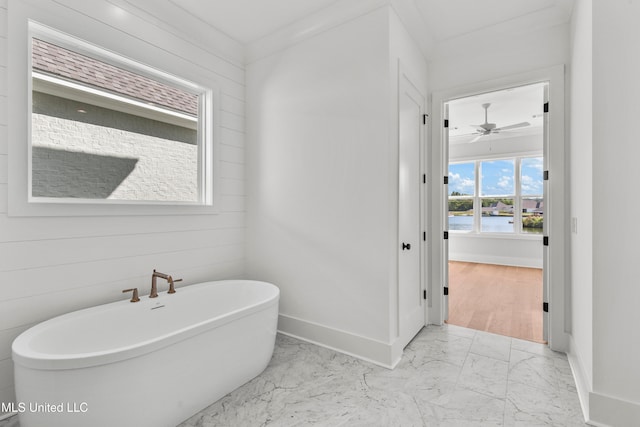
(410, 292)
(445, 213)
(545, 223)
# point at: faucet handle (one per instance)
(134, 297)
(172, 289)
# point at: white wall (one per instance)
(53, 265)
(604, 91)
(581, 193)
(518, 145)
(616, 294)
(507, 250)
(318, 176)
(477, 56)
(322, 183)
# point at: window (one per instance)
(497, 189)
(497, 196)
(462, 187)
(106, 129)
(532, 202)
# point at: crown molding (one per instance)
(336, 14)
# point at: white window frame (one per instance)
(474, 197)
(21, 201)
(477, 197)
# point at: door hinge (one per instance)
(546, 175)
(446, 235)
(424, 294)
(545, 240)
(546, 107)
(446, 180)
(424, 178)
(446, 123)
(424, 119)
(446, 290)
(424, 236)
(545, 307)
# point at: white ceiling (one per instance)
(249, 20)
(437, 25)
(508, 107)
(446, 19)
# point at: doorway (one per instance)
(495, 214)
(556, 319)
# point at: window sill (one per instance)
(106, 209)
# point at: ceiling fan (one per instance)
(488, 128)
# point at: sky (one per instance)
(497, 177)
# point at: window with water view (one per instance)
(497, 196)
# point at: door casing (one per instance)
(556, 254)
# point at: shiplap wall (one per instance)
(54, 265)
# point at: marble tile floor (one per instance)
(448, 376)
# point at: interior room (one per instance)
(237, 212)
(496, 198)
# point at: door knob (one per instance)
(406, 246)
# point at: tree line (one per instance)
(463, 205)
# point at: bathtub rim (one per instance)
(26, 357)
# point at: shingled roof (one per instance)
(55, 60)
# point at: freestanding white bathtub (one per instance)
(151, 363)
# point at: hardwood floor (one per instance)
(495, 298)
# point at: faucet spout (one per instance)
(154, 285)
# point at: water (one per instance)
(461, 223)
(490, 224)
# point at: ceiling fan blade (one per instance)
(515, 126)
(485, 127)
(476, 138)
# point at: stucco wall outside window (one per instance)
(84, 151)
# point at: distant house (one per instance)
(533, 206)
(496, 208)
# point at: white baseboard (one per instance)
(583, 384)
(498, 260)
(600, 410)
(364, 348)
(611, 411)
